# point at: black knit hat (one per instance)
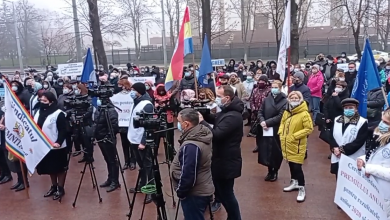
(139, 87)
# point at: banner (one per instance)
(142, 79)
(23, 137)
(356, 194)
(284, 42)
(125, 103)
(70, 69)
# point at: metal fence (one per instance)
(264, 50)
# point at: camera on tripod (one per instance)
(149, 121)
(102, 91)
(77, 102)
(199, 105)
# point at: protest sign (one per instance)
(357, 194)
(24, 139)
(142, 79)
(70, 69)
(125, 103)
(218, 62)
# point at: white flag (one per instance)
(24, 139)
(284, 42)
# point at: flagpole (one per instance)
(24, 179)
(195, 77)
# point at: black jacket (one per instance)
(23, 94)
(101, 129)
(375, 103)
(332, 107)
(272, 110)
(187, 83)
(61, 100)
(58, 89)
(149, 108)
(333, 68)
(227, 136)
(230, 66)
(304, 89)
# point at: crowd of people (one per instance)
(281, 114)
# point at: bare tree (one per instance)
(111, 44)
(380, 19)
(247, 10)
(137, 14)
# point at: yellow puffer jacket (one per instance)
(295, 126)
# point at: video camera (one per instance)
(77, 102)
(102, 91)
(199, 105)
(149, 121)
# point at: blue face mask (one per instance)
(187, 74)
(133, 94)
(275, 91)
(383, 128)
(349, 112)
(249, 78)
(98, 102)
(147, 87)
(179, 127)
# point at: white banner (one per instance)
(125, 103)
(356, 194)
(70, 69)
(142, 79)
(24, 138)
(284, 42)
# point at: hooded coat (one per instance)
(23, 94)
(52, 90)
(296, 125)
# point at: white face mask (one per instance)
(342, 79)
(338, 90)
(295, 103)
(45, 86)
(14, 88)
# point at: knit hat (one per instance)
(299, 75)
(316, 66)
(263, 78)
(139, 87)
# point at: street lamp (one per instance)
(17, 37)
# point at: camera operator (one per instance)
(227, 136)
(191, 167)
(137, 136)
(106, 144)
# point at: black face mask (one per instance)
(44, 106)
(297, 82)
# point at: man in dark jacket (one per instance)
(5, 176)
(23, 94)
(107, 142)
(298, 79)
(329, 69)
(270, 114)
(191, 167)
(375, 103)
(188, 82)
(137, 136)
(227, 136)
(350, 76)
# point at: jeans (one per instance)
(194, 207)
(225, 193)
(144, 161)
(128, 152)
(315, 106)
(297, 173)
(109, 154)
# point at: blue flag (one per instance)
(206, 66)
(367, 79)
(89, 73)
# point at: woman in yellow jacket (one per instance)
(295, 126)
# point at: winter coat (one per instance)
(23, 94)
(258, 96)
(101, 129)
(240, 89)
(187, 83)
(227, 136)
(316, 81)
(296, 126)
(333, 68)
(304, 89)
(332, 107)
(230, 66)
(50, 88)
(248, 85)
(375, 102)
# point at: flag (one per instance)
(284, 42)
(183, 47)
(23, 138)
(89, 74)
(206, 66)
(367, 79)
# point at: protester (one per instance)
(329, 69)
(188, 81)
(349, 134)
(191, 167)
(316, 81)
(249, 85)
(5, 176)
(299, 86)
(22, 93)
(51, 120)
(293, 137)
(47, 87)
(226, 159)
(350, 76)
(149, 89)
(270, 115)
(333, 107)
(235, 81)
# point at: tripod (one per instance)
(89, 163)
(112, 139)
(155, 191)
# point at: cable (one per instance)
(149, 189)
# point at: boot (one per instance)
(133, 190)
(268, 177)
(15, 186)
(21, 187)
(52, 191)
(113, 187)
(132, 166)
(301, 194)
(293, 186)
(274, 177)
(148, 199)
(105, 184)
(59, 194)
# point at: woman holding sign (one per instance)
(376, 161)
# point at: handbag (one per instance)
(325, 135)
(245, 114)
(320, 119)
(255, 128)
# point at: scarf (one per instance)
(44, 113)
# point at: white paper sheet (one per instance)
(269, 132)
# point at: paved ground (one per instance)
(257, 199)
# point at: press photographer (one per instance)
(137, 136)
(106, 128)
(79, 112)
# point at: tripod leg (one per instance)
(170, 182)
(94, 180)
(78, 189)
(91, 171)
(134, 195)
(177, 209)
(143, 207)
